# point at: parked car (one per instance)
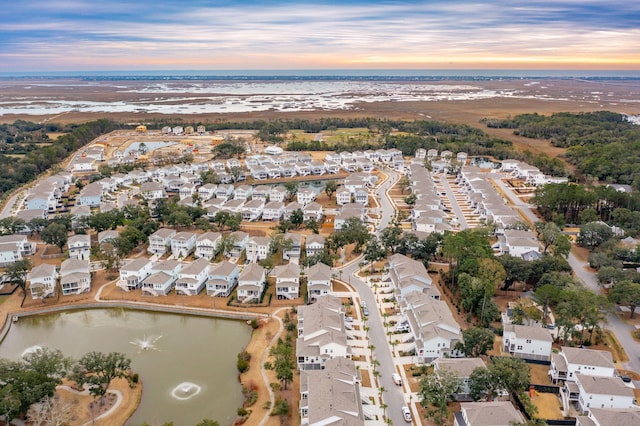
(397, 379)
(406, 413)
(401, 328)
(348, 319)
(365, 312)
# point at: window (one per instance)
(528, 340)
(519, 347)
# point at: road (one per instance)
(581, 270)
(454, 202)
(393, 396)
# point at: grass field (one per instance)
(548, 406)
(332, 136)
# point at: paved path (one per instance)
(393, 396)
(454, 202)
(263, 372)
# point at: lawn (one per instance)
(548, 405)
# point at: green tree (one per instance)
(283, 362)
(512, 373)
(97, 370)
(552, 238)
(11, 225)
(626, 293)
(225, 244)
(483, 384)
(404, 183)
(56, 234)
(516, 269)
(292, 189)
(16, 273)
(312, 225)
(436, 390)
(297, 217)
(411, 199)
(330, 188)
(593, 234)
(373, 251)
(391, 237)
(477, 341)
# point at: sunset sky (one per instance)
(86, 35)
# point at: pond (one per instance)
(187, 364)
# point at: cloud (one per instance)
(259, 34)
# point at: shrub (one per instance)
(243, 361)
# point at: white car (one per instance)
(406, 413)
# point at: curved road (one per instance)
(393, 396)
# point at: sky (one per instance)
(109, 35)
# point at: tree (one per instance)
(11, 225)
(477, 341)
(312, 225)
(297, 217)
(56, 234)
(52, 411)
(292, 189)
(207, 422)
(512, 373)
(483, 384)
(436, 390)
(225, 244)
(373, 252)
(391, 237)
(626, 293)
(330, 188)
(411, 199)
(51, 363)
(404, 183)
(97, 370)
(516, 269)
(593, 234)
(283, 363)
(551, 237)
(16, 273)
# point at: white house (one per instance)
(240, 239)
(251, 283)
(222, 279)
(75, 277)
(14, 248)
(152, 191)
(527, 342)
(79, 247)
(42, 281)
(305, 196)
(274, 210)
(183, 243)
(314, 244)
(278, 193)
(318, 281)
(343, 196)
(133, 273)
(609, 416)
(257, 248)
(313, 211)
(192, 277)
(296, 246)
(160, 241)
(288, 281)
(571, 361)
(252, 210)
(206, 245)
(602, 392)
(163, 278)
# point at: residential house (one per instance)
(222, 279)
(187, 190)
(252, 210)
(609, 416)
(257, 248)
(273, 211)
(601, 392)
(240, 239)
(321, 334)
(290, 208)
(108, 235)
(493, 413)
(224, 191)
(163, 278)
(408, 275)
(183, 243)
(571, 361)
(462, 369)
(288, 281)
(312, 211)
(305, 196)
(527, 342)
(90, 195)
(192, 278)
(296, 246)
(207, 191)
(79, 214)
(75, 277)
(79, 247)
(15, 247)
(361, 196)
(278, 193)
(343, 196)
(318, 281)
(207, 245)
(332, 395)
(261, 192)
(314, 244)
(133, 273)
(42, 281)
(160, 241)
(433, 327)
(243, 192)
(251, 283)
(152, 191)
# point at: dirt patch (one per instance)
(540, 374)
(548, 405)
